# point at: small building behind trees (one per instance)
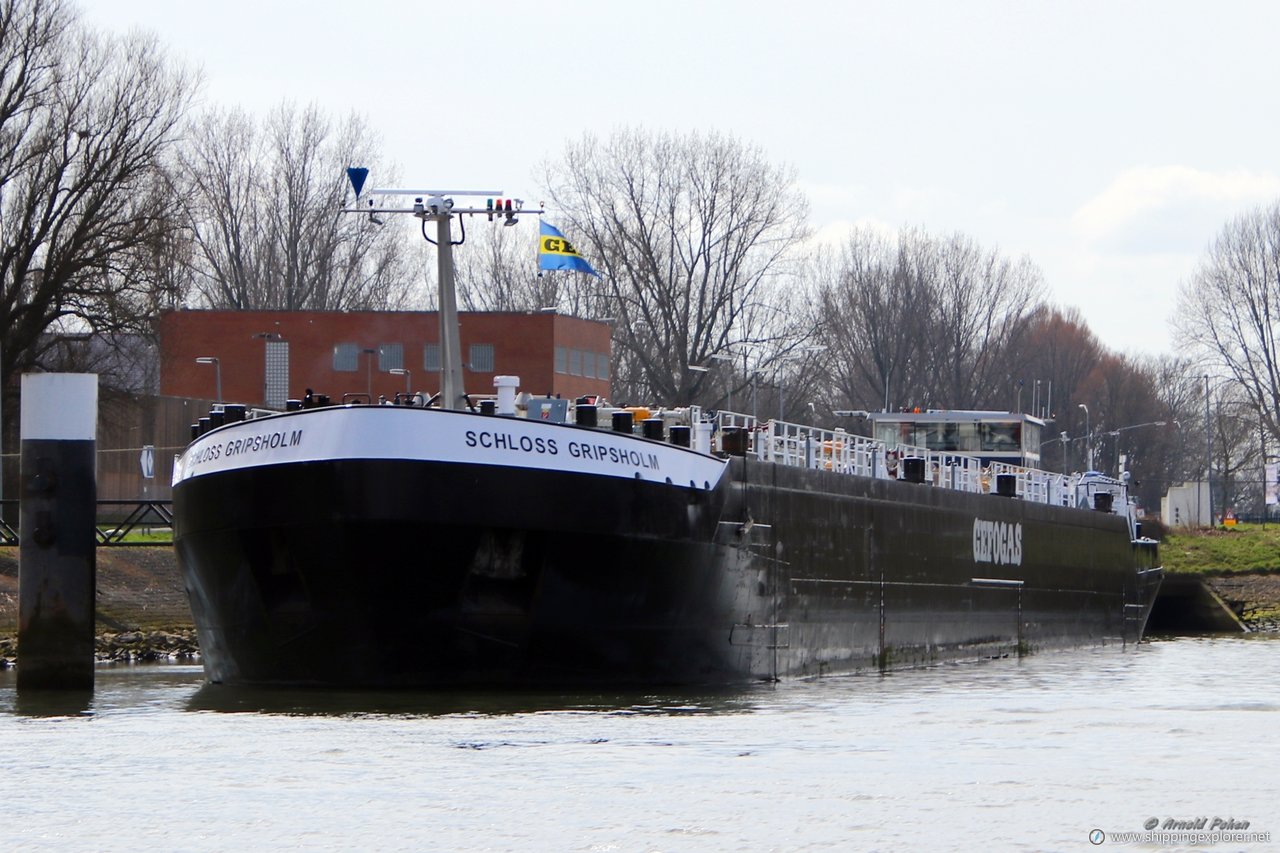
(267, 357)
(1186, 505)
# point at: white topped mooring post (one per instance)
(56, 556)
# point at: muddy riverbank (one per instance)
(1255, 598)
(142, 611)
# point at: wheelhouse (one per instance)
(1007, 437)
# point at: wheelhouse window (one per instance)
(1002, 437)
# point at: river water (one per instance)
(1031, 754)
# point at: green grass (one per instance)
(157, 536)
(1247, 548)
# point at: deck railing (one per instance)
(804, 446)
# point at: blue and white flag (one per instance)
(557, 253)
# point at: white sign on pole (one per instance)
(147, 459)
(1273, 483)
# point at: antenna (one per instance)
(438, 206)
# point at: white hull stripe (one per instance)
(422, 435)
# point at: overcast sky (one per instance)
(1109, 141)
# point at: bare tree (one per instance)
(692, 235)
(1230, 310)
(1058, 351)
(923, 321)
(1238, 456)
(871, 315)
(981, 305)
(85, 123)
(263, 209)
(1160, 456)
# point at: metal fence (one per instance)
(116, 521)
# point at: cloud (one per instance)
(832, 195)
(836, 232)
(1169, 209)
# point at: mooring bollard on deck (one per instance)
(56, 567)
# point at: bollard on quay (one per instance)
(56, 557)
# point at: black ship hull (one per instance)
(399, 569)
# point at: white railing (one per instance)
(803, 446)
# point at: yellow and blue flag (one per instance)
(557, 253)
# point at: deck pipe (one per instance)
(506, 388)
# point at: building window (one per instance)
(575, 362)
(589, 364)
(431, 358)
(277, 373)
(481, 358)
(562, 360)
(602, 366)
(390, 357)
(346, 357)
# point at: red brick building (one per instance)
(267, 357)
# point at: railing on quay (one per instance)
(117, 519)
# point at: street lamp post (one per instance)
(699, 368)
(1208, 453)
(755, 409)
(1115, 433)
(1064, 438)
(747, 347)
(798, 355)
(1262, 445)
(728, 385)
(368, 371)
(402, 371)
(1088, 439)
(217, 372)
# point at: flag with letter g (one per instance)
(557, 253)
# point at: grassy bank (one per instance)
(1248, 548)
